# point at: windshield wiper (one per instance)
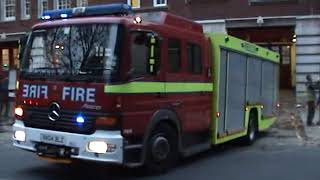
(96, 68)
(33, 76)
(89, 70)
(46, 68)
(51, 71)
(83, 77)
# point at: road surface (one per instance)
(276, 155)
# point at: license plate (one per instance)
(52, 139)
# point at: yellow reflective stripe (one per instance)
(151, 61)
(153, 40)
(155, 87)
(152, 51)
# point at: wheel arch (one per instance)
(162, 116)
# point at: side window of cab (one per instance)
(174, 55)
(194, 58)
(145, 54)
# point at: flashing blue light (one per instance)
(57, 14)
(46, 17)
(80, 119)
(98, 10)
(63, 15)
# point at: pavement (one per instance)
(292, 118)
(5, 124)
(312, 132)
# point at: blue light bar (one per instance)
(98, 10)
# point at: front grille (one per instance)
(38, 118)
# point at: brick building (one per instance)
(291, 27)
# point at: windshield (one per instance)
(80, 52)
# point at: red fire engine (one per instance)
(99, 84)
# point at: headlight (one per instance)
(100, 147)
(18, 111)
(19, 136)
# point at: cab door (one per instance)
(185, 79)
(144, 85)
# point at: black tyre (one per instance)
(162, 149)
(252, 130)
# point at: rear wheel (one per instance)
(162, 149)
(252, 130)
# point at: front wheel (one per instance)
(162, 149)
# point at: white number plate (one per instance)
(52, 139)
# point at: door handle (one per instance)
(176, 104)
(158, 94)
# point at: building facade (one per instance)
(16, 20)
(291, 27)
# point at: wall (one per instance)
(193, 9)
(221, 9)
(308, 52)
(293, 64)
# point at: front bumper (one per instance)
(73, 140)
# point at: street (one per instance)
(278, 154)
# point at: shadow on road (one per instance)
(85, 171)
(218, 151)
(100, 171)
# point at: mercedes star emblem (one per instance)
(54, 111)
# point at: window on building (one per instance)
(16, 57)
(194, 58)
(174, 55)
(9, 10)
(82, 3)
(5, 59)
(271, 1)
(25, 9)
(159, 3)
(42, 6)
(134, 3)
(62, 4)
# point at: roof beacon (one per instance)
(98, 10)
